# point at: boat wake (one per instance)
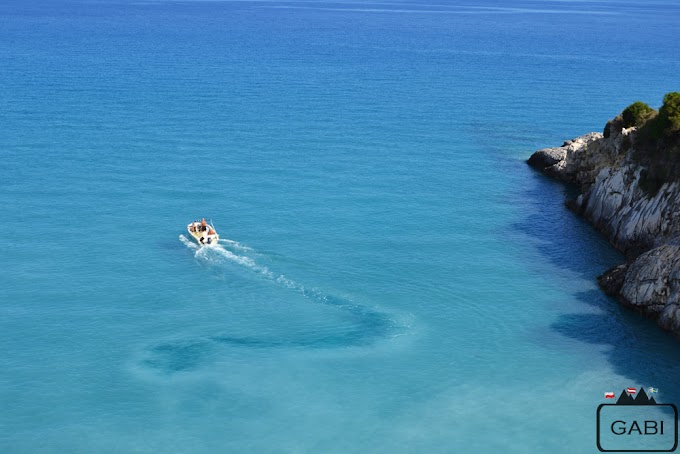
(217, 254)
(366, 326)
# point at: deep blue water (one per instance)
(394, 278)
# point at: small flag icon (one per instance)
(631, 390)
(609, 395)
(653, 390)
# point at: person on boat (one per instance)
(203, 225)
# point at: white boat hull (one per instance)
(207, 237)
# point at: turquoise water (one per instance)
(393, 277)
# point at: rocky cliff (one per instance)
(643, 225)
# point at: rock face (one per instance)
(646, 227)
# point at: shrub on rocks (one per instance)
(637, 114)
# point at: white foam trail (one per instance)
(216, 254)
(218, 250)
(208, 252)
(188, 243)
(236, 245)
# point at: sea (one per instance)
(391, 276)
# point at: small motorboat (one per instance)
(203, 232)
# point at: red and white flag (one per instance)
(609, 395)
(632, 390)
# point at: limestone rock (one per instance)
(653, 280)
(646, 227)
(612, 280)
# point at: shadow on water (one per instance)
(558, 232)
(189, 354)
(635, 346)
(554, 230)
(192, 353)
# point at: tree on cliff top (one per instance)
(669, 114)
(658, 146)
(637, 114)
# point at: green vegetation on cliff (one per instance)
(637, 114)
(669, 113)
(657, 140)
